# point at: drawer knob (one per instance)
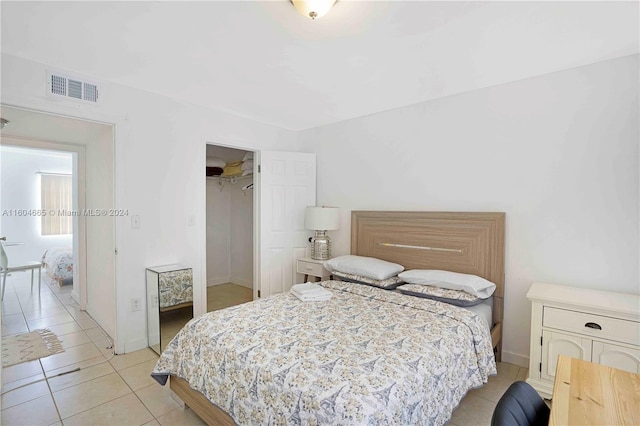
(593, 325)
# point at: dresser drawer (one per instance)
(311, 268)
(592, 325)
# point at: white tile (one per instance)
(509, 371)
(39, 411)
(10, 308)
(87, 395)
(74, 339)
(157, 399)
(85, 374)
(523, 373)
(49, 321)
(120, 362)
(76, 313)
(21, 382)
(17, 318)
(61, 329)
(17, 328)
(180, 417)
(494, 389)
(139, 376)
(473, 411)
(20, 371)
(24, 394)
(70, 356)
(87, 323)
(45, 312)
(123, 411)
(99, 337)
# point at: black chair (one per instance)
(520, 406)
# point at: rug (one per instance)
(29, 346)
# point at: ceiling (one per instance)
(264, 61)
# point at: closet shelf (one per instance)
(229, 179)
(222, 180)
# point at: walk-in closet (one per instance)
(230, 202)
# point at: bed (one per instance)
(58, 264)
(366, 356)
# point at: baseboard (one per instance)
(135, 345)
(217, 281)
(75, 295)
(243, 283)
(516, 359)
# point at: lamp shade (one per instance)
(313, 8)
(322, 218)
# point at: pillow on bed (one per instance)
(472, 284)
(452, 297)
(388, 284)
(369, 267)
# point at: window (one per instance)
(56, 201)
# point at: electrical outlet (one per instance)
(136, 304)
(135, 221)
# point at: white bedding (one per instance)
(484, 310)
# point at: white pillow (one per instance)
(472, 284)
(369, 267)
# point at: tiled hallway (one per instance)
(113, 390)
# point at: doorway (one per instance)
(229, 175)
(39, 192)
(93, 145)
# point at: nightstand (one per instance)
(313, 267)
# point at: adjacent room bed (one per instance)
(368, 355)
(58, 264)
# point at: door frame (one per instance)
(200, 307)
(119, 125)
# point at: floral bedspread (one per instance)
(367, 356)
(175, 287)
(59, 262)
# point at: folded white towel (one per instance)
(310, 292)
(312, 297)
(248, 156)
(308, 288)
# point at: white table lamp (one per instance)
(321, 220)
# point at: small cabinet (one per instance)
(169, 302)
(592, 325)
(312, 267)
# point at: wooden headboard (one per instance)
(470, 243)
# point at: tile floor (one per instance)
(118, 390)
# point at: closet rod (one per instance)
(53, 174)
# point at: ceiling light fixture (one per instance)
(313, 8)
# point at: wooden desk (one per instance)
(585, 393)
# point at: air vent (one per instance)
(61, 84)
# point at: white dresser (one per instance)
(593, 325)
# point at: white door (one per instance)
(286, 185)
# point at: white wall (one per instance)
(159, 162)
(242, 234)
(229, 233)
(558, 153)
(21, 190)
(218, 233)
